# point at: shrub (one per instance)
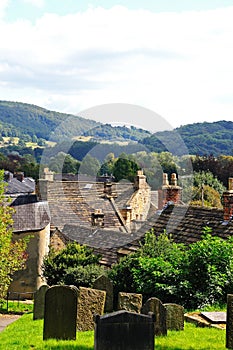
(194, 276)
(83, 275)
(155, 270)
(56, 265)
(210, 271)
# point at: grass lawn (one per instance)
(28, 334)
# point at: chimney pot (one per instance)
(230, 183)
(165, 180)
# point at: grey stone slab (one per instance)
(39, 302)
(123, 330)
(104, 283)
(215, 316)
(131, 302)
(155, 306)
(90, 302)
(174, 317)
(60, 313)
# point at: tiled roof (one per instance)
(15, 186)
(74, 202)
(184, 223)
(30, 217)
(103, 241)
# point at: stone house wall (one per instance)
(30, 279)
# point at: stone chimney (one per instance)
(228, 201)
(97, 218)
(140, 180)
(109, 189)
(8, 176)
(48, 174)
(169, 192)
(19, 176)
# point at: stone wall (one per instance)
(30, 279)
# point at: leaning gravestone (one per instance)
(123, 330)
(229, 326)
(130, 302)
(60, 313)
(90, 302)
(155, 306)
(174, 317)
(39, 301)
(104, 283)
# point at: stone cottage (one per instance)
(184, 223)
(31, 218)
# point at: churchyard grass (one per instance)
(28, 334)
(15, 307)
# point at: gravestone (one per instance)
(123, 330)
(104, 283)
(174, 317)
(60, 313)
(215, 317)
(155, 306)
(229, 325)
(131, 302)
(39, 301)
(90, 302)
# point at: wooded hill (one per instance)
(200, 138)
(30, 122)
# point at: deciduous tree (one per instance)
(12, 254)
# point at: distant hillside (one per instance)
(33, 123)
(107, 132)
(22, 120)
(200, 138)
(18, 119)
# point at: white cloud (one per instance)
(178, 64)
(36, 3)
(3, 6)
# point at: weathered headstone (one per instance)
(131, 302)
(229, 325)
(123, 330)
(155, 306)
(104, 283)
(174, 317)
(60, 313)
(90, 302)
(214, 317)
(39, 302)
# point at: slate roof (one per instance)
(32, 216)
(15, 187)
(184, 223)
(103, 241)
(74, 202)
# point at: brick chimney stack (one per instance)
(228, 201)
(169, 192)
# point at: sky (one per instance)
(174, 58)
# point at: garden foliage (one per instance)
(75, 264)
(195, 276)
(12, 254)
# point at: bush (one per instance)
(210, 271)
(83, 275)
(155, 270)
(56, 265)
(194, 276)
